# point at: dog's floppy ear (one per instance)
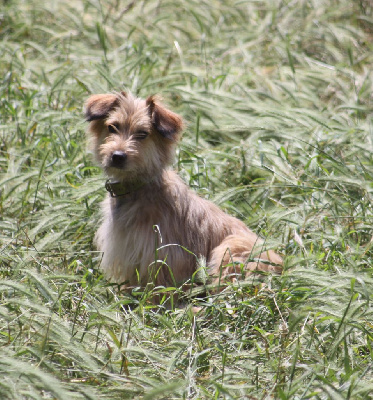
(164, 121)
(99, 106)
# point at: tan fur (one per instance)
(156, 232)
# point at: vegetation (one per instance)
(278, 99)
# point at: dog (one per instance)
(155, 228)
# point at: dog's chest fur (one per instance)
(148, 229)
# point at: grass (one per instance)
(278, 100)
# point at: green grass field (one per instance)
(277, 96)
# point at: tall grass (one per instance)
(278, 100)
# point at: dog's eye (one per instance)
(113, 128)
(141, 135)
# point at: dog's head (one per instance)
(132, 138)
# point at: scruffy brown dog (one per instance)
(154, 227)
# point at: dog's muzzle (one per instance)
(118, 159)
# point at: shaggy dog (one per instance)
(154, 227)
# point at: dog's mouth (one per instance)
(118, 166)
(117, 158)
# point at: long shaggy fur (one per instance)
(157, 229)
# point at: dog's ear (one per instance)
(164, 121)
(99, 106)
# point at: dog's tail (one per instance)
(240, 256)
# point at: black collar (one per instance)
(119, 189)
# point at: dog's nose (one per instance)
(118, 159)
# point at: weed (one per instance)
(277, 96)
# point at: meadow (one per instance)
(277, 99)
